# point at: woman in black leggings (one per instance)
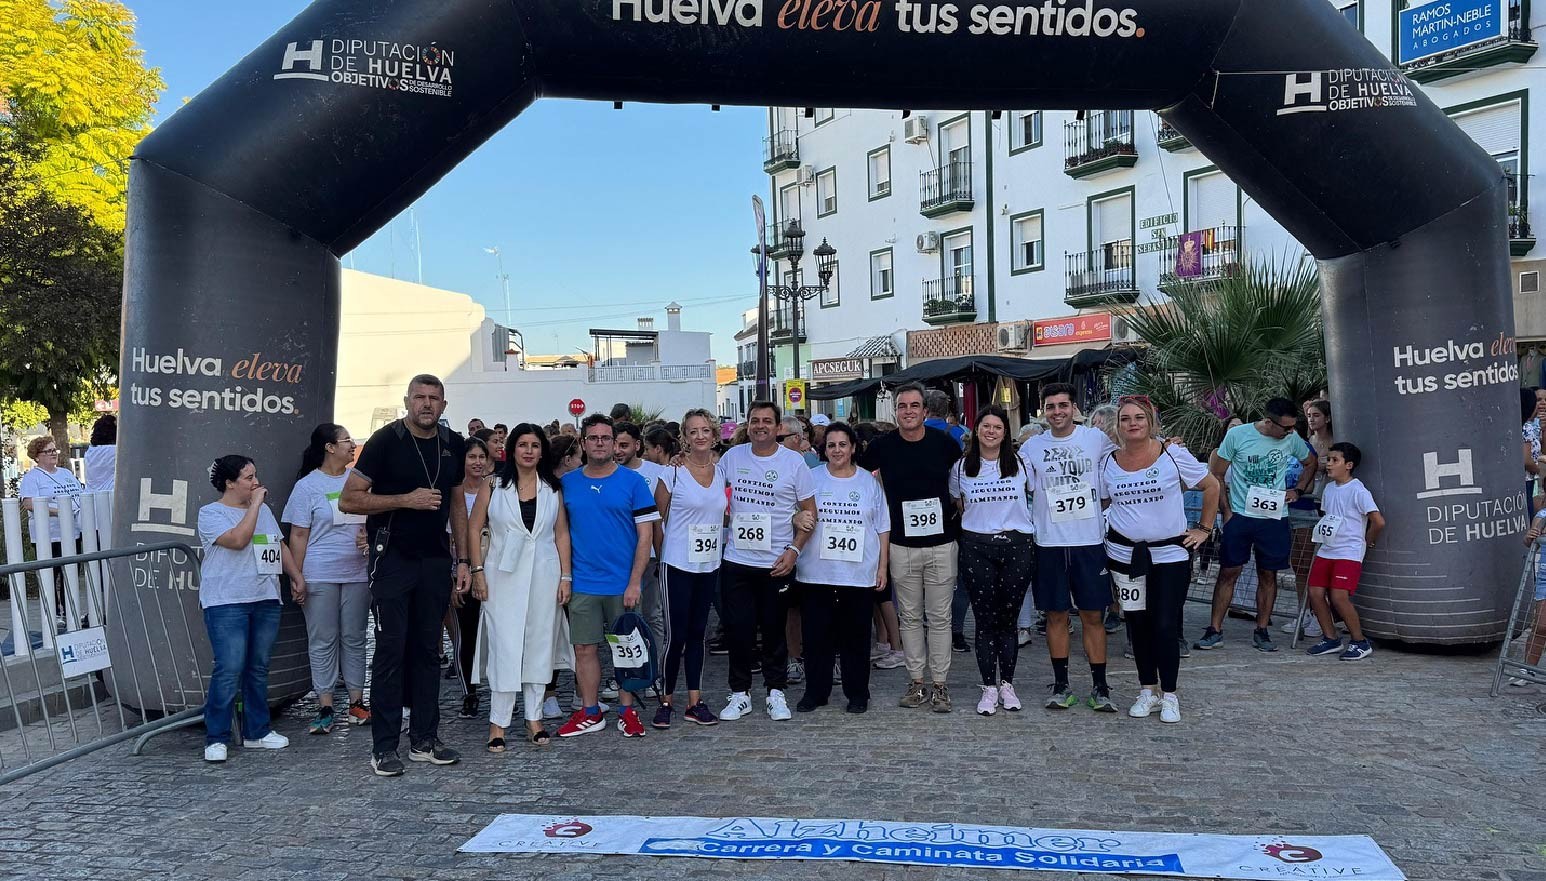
(997, 553)
(1149, 545)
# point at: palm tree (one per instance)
(1224, 347)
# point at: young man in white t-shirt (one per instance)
(1352, 522)
(769, 483)
(627, 450)
(1070, 541)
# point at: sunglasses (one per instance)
(1141, 400)
(598, 437)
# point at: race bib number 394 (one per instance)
(703, 543)
(922, 517)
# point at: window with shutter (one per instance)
(1211, 201)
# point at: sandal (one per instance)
(496, 745)
(540, 737)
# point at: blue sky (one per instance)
(601, 215)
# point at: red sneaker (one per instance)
(628, 723)
(580, 723)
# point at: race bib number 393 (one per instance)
(265, 549)
(628, 650)
(922, 517)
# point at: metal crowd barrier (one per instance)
(60, 694)
(1526, 634)
(1205, 569)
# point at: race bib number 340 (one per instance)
(922, 517)
(842, 541)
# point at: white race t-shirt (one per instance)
(1351, 503)
(227, 577)
(992, 503)
(62, 485)
(1058, 465)
(843, 503)
(100, 462)
(773, 486)
(695, 520)
(650, 472)
(1147, 505)
(331, 556)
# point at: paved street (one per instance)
(1407, 748)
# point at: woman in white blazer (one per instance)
(523, 582)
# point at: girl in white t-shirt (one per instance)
(839, 572)
(1149, 545)
(996, 551)
(329, 547)
(691, 499)
(239, 590)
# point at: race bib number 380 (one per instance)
(922, 517)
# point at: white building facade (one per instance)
(1021, 233)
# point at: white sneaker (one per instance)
(880, 650)
(551, 709)
(740, 704)
(271, 740)
(215, 752)
(1023, 637)
(610, 689)
(988, 705)
(777, 707)
(891, 661)
(1007, 697)
(1170, 708)
(1518, 682)
(1289, 627)
(1144, 705)
(1312, 628)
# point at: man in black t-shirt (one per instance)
(404, 482)
(914, 464)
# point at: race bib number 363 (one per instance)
(1267, 504)
(922, 517)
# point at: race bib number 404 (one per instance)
(265, 549)
(922, 517)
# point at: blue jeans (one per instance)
(242, 637)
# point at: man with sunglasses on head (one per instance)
(1070, 541)
(1255, 510)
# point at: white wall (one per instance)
(392, 330)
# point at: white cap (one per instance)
(820, 419)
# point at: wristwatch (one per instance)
(474, 570)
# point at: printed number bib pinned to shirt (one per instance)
(628, 650)
(1267, 504)
(265, 549)
(1132, 593)
(1326, 529)
(339, 517)
(1072, 502)
(922, 517)
(752, 531)
(703, 543)
(842, 541)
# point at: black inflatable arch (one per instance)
(241, 204)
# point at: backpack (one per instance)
(633, 654)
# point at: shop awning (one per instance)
(840, 390)
(973, 367)
(876, 347)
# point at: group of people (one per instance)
(537, 549)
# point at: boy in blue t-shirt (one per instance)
(610, 512)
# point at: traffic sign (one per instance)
(576, 407)
(794, 394)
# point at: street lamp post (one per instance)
(798, 292)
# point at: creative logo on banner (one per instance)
(1353, 88)
(1291, 853)
(1050, 18)
(571, 829)
(372, 64)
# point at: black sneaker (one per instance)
(434, 752)
(807, 705)
(1113, 620)
(387, 764)
(958, 643)
(469, 707)
(716, 646)
(857, 707)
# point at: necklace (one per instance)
(434, 482)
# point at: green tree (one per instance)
(1230, 345)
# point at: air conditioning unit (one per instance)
(915, 129)
(928, 242)
(807, 175)
(1122, 331)
(1013, 337)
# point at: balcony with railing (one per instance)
(1100, 143)
(778, 243)
(946, 189)
(949, 300)
(1516, 45)
(1171, 140)
(1521, 238)
(781, 326)
(1104, 277)
(652, 373)
(781, 151)
(1199, 257)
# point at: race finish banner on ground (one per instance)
(944, 844)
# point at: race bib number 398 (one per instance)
(922, 517)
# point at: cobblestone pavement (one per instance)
(1405, 747)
